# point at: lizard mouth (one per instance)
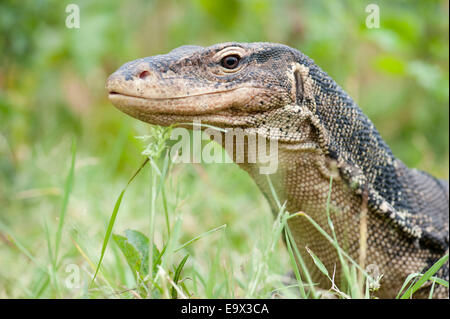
(194, 104)
(215, 108)
(224, 108)
(183, 105)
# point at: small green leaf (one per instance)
(318, 262)
(157, 257)
(141, 243)
(135, 248)
(132, 255)
(177, 276)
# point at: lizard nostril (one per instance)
(144, 74)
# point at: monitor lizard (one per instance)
(277, 92)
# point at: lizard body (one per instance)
(278, 92)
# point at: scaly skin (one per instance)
(399, 214)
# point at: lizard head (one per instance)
(225, 85)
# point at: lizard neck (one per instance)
(297, 166)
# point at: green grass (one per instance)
(134, 266)
(162, 256)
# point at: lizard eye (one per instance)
(230, 62)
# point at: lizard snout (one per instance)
(129, 77)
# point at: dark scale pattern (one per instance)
(356, 142)
(281, 94)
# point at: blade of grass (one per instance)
(295, 267)
(45, 272)
(113, 219)
(43, 283)
(53, 278)
(330, 239)
(199, 237)
(62, 214)
(406, 282)
(425, 277)
(162, 273)
(262, 265)
(318, 263)
(21, 247)
(177, 275)
(302, 263)
(197, 124)
(290, 238)
(274, 193)
(343, 263)
(161, 188)
(440, 281)
(430, 296)
(151, 236)
(156, 188)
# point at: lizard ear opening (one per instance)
(298, 82)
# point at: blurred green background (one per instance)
(52, 93)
